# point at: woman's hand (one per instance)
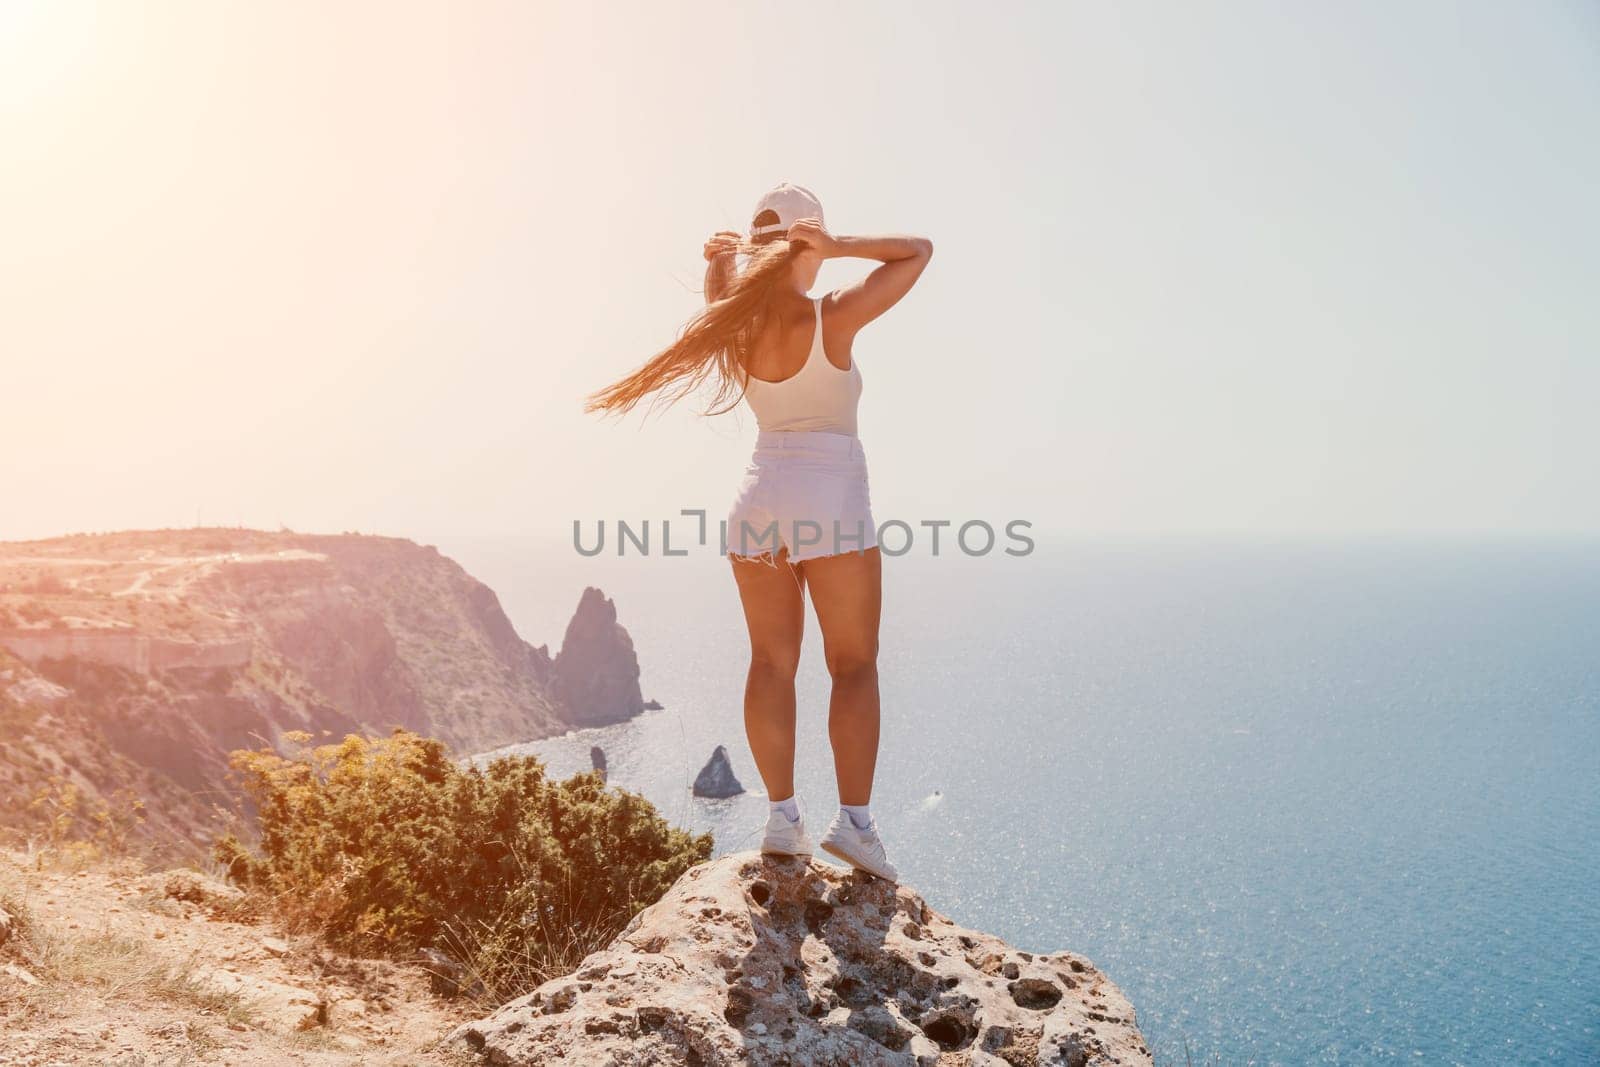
(814, 235)
(722, 243)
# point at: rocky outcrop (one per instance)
(716, 779)
(753, 959)
(596, 674)
(597, 759)
(32, 690)
(215, 898)
(275, 1005)
(447, 977)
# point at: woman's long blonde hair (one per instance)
(714, 345)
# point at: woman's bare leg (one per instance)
(847, 592)
(774, 612)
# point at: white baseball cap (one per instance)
(782, 206)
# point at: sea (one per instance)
(1305, 802)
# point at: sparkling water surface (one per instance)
(1303, 803)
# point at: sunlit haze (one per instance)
(1229, 268)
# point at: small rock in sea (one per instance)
(597, 759)
(716, 778)
(652, 705)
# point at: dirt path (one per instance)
(110, 966)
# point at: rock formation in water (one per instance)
(136, 661)
(716, 778)
(596, 674)
(597, 759)
(754, 959)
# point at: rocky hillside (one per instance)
(132, 663)
(759, 960)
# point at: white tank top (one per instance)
(819, 396)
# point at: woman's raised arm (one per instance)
(903, 259)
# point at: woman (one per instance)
(802, 517)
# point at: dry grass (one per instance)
(503, 959)
(127, 966)
(103, 965)
(110, 965)
(18, 1000)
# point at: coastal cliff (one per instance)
(131, 665)
(596, 675)
(753, 959)
(134, 662)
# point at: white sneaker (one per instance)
(785, 838)
(860, 848)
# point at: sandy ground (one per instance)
(109, 965)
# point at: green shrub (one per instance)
(389, 845)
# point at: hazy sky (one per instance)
(1227, 267)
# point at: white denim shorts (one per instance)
(806, 491)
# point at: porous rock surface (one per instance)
(766, 960)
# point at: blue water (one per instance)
(1304, 803)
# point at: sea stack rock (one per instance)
(716, 778)
(753, 959)
(597, 759)
(596, 674)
